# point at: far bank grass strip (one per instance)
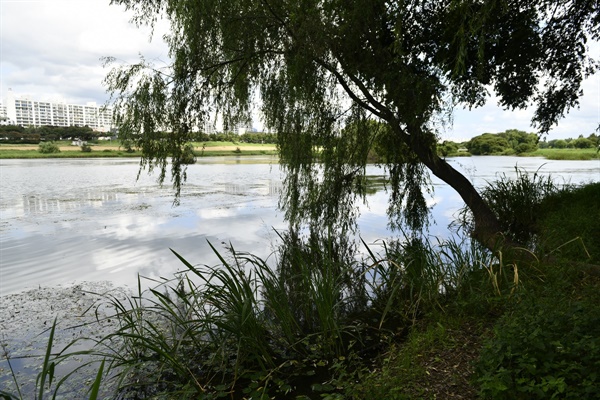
(208, 151)
(567, 154)
(218, 149)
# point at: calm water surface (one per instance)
(65, 221)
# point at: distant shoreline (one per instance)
(215, 149)
(27, 151)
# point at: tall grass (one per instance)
(310, 320)
(516, 202)
(567, 154)
(302, 322)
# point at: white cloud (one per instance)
(51, 49)
(491, 118)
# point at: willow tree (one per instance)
(321, 71)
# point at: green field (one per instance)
(206, 149)
(114, 149)
(566, 154)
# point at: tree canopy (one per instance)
(512, 141)
(315, 67)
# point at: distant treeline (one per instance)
(31, 135)
(513, 141)
(509, 142)
(19, 134)
(248, 137)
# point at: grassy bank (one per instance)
(566, 154)
(206, 149)
(209, 149)
(550, 154)
(510, 331)
(33, 153)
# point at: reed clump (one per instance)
(308, 321)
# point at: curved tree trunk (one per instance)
(487, 227)
(487, 230)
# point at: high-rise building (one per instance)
(3, 117)
(27, 112)
(239, 128)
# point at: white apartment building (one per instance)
(27, 112)
(238, 129)
(3, 117)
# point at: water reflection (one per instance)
(32, 204)
(74, 220)
(64, 220)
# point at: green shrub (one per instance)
(86, 148)
(48, 148)
(569, 220)
(546, 349)
(188, 156)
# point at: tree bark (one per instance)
(487, 229)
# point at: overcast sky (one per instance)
(51, 49)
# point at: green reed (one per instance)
(308, 320)
(295, 322)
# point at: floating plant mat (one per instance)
(26, 320)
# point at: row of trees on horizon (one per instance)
(511, 141)
(35, 135)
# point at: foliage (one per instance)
(86, 148)
(558, 144)
(583, 143)
(592, 141)
(232, 137)
(11, 128)
(188, 157)
(311, 326)
(547, 349)
(521, 142)
(19, 134)
(547, 344)
(511, 141)
(565, 220)
(19, 137)
(447, 148)
(48, 148)
(258, 137)
(318, 67)
(487, 143)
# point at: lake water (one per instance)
(73, 220)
